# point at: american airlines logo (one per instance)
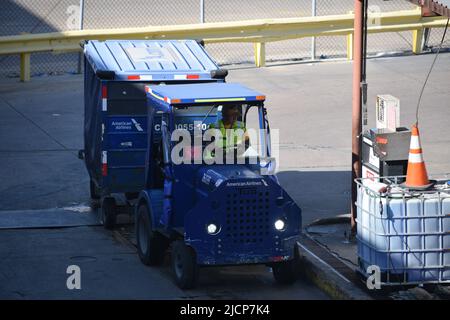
(127, 125)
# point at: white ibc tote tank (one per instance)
(405, 234)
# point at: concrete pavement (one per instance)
(35, 261)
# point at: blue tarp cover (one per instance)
(150, 59)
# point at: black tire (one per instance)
(184, 265)
(109, 212)
(131, 195)
(95, 194)
(151, 244)
(286, 272)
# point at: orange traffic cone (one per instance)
(416, 175)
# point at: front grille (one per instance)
(247, 216)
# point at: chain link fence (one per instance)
(38, 16)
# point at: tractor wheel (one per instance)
(131, 195)
(286, 272)
(184, 265)
(151, 244)
(109, 212)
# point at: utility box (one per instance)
(387, 112)
(385, 149)
(385, 153)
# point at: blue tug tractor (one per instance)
(212, 214)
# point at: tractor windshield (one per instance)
(219, 134)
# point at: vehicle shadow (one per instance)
(320, 194)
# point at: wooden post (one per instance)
(25, 67)
(260, 54)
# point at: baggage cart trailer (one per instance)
(115, 113)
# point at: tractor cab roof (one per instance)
(202, 93)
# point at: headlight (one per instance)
(212, 228)
(279, 225)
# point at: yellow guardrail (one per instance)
(258, 32)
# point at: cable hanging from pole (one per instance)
(429, 72)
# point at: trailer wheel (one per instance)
(151, 244)
(131, 195)
(286, 272)
(184, 265)
(109, 212)
(93, 190)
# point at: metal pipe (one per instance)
(313, 39)
(81, 25)
(356, 103)
(202, 11)
(364, 40)
(363, 71)
(81, 14)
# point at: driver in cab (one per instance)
(232, 132)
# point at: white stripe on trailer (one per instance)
(180, 77)
(146, 77)
(104, 157)
(104, 104)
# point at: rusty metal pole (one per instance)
(356, 103)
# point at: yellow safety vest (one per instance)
(226, 142)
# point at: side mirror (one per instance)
(268, 166)
(200, 42)
(105, 74)
(219, 73)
